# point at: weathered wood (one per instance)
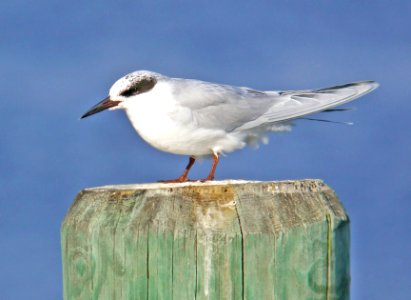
(217, 240)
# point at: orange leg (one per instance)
(213, 168)
(183, 177)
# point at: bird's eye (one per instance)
(141, 86)
(130, 92)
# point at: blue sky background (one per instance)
(57, 58)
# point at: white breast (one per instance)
(169, 127)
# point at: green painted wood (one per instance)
(216, 240)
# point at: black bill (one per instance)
(103, 105)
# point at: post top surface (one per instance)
(262, 206)
(157, 185)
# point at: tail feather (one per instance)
(338, 109)
(328, 121)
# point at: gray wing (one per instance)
(239, 108)
(221, 106)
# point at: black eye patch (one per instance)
(141, 86)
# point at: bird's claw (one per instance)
(206, 179)
(180, 180)
(177, 180)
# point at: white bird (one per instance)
(203, 119)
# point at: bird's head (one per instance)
(125, 89)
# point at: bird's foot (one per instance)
(208, 178)
(177, 180)
(180, 179)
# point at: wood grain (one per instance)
(217, 240)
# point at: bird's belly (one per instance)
(165, 134)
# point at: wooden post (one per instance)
(214, 240)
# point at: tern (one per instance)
(202, 119)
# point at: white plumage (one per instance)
(197, 118)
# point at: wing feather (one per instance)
(221, 106)
(239, 108)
